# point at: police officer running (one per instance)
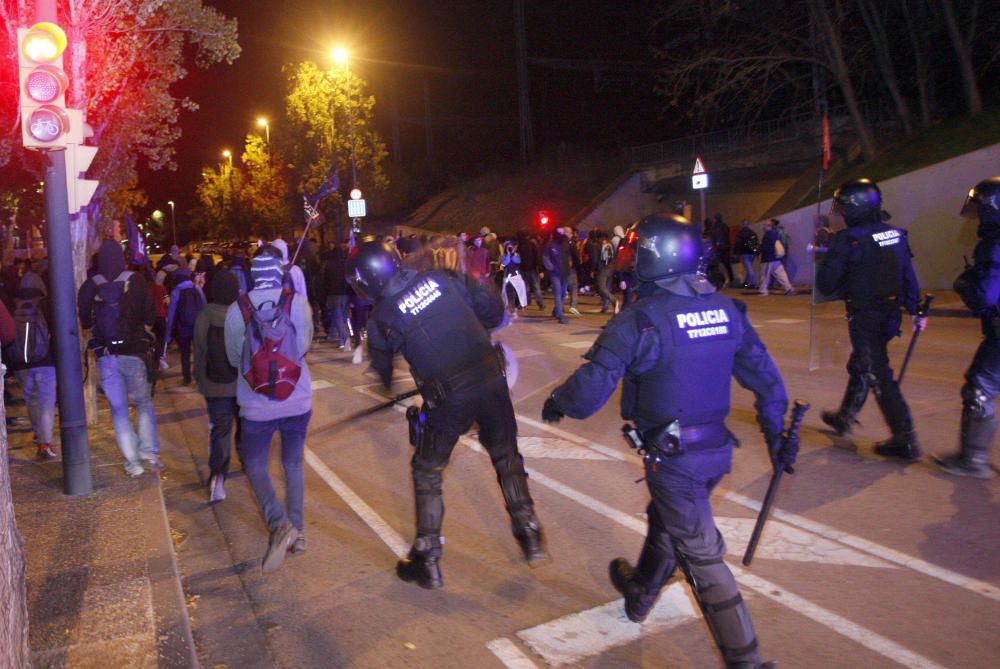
(979, 288)
(677, 349)
(439, 322)
(869, 267)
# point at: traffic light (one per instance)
(44, 121)
(544, 218)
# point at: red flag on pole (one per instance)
(826, 142)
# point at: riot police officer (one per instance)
(439, 322)
(869, 267)
(677, 349)
(979, 288)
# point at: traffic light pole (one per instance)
(66, 334)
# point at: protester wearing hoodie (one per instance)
(261, 416)
(121, 361)
(295, 273)
(556, 260)
(186, 302)
(38, 378)
(216, 378)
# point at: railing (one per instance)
(800, 126)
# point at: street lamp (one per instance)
(340, 57)
(262, 122)
(228, 155)
(173, 220)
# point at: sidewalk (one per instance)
(102, 578)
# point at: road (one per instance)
(865, 563)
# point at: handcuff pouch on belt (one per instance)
(416, 420)
(657, 443)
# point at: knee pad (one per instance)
(979, 404)
(721, 603)
(427, 480)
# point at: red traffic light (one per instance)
(544, 218)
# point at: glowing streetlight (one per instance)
(262, 122)
(173, 220)
(228, 155)
(339, 56)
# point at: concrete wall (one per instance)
(925, 203)
(624, 206)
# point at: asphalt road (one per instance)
(866, 562)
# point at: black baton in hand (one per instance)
(798, 413)
(922, 311)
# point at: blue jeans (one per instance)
(337, 307)
(256, 449)
(558, 293)
(39, 385)
(123, 376)
(222, 413)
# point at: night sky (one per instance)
(465, 50)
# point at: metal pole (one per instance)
(65, 332)
(703, 209)
(523, 99)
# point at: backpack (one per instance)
(32, 342)
(270, 360)
(189, 305)
(217, 367)
(109, 332)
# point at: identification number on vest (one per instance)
(419, 297)
(703, 324)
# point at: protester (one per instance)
(277, 402)
(117, 307)
(216, 379)
(186, 302)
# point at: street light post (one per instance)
(262, 122)
(340, 55)
(173, 220)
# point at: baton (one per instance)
(798, 413)
(367, 412)
(922, 311)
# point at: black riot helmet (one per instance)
(859, 201)
(667, 244)
(370, 266)
(984, 202)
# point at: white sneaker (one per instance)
(574, 311)
(217, 489)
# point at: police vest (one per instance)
(879, 254)
(690, 380)
(441, 333)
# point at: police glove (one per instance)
(783, 453)
(551, 412)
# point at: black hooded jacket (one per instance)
(137, 309)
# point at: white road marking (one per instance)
(839, 624)
(784, 542)
(569, 436)
(578, 344)
(321, 384)
(559, 449)
(571, 638)
(872, 548)
(510, 655)
(391, 537)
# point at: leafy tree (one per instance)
(264, 194)
(322, 106)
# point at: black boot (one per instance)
(890, 401)
(421, 565)
(854, 398)
(904, 447)
(532, 542)
(974, 458)
(641, 585)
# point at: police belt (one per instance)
(705, 436)
(437, 389)
(882, 303)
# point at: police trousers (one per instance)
(681, 525)
(489, 405)
(870, 331)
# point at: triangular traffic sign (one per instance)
(699, 166)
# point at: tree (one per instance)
(124, 57)
(321, 106)
(264, 193)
